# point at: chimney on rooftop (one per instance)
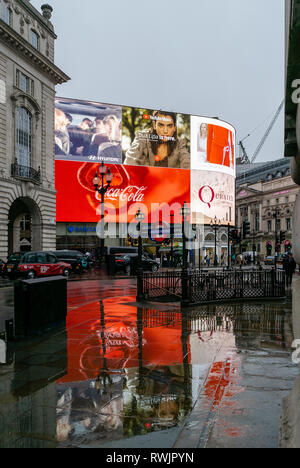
(47, 11)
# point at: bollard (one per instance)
(40, 304)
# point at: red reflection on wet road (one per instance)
(113, 335)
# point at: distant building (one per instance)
(28, 77)
(265, 197)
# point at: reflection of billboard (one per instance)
(156, 157)
(212, 195)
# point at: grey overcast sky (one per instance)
(221, 58)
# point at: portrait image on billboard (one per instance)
(87, 131)
(212, 145)
(155, 138)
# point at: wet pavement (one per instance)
(124, 374)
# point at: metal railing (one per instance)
(216, 286)
(25, 172)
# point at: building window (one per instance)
(257, 224)
(288, 224)
(7, 15)
(24, 83)
(23, 136)
(278, 224)
(25, 223)
(269, 226)
(34, 40)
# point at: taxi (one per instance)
(38, 264)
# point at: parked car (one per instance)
(36, 264)
(76, 259)
(123, 261)
(270, 260)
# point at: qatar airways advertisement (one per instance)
(159, 160)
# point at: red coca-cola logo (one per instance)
(207, 195)
(132, 193)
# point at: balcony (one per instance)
(26, 173)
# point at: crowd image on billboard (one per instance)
(86, 131)
(156, 138)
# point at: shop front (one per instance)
(80, 236)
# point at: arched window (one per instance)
(35, 39)
(23, 136)
(210, 237)
(7, 15)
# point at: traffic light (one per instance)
(246, 229)
(233, 235)
(282, 237)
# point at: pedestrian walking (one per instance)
(289, 266)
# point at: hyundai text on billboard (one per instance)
(159, 160)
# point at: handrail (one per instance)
(25, 172)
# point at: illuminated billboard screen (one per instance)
(159, 160)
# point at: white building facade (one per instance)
(28, 77)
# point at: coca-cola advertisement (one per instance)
(132, 187)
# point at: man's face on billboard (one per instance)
(164, 126)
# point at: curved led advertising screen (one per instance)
(159, 160)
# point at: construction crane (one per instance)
(245, 158)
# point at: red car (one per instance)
(41, 264)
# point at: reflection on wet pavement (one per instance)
(130, 375)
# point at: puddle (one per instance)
(120, 374)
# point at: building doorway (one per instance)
(24, 226)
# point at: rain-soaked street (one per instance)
(148, 375)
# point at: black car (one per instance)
(76, 259)
(10, 268)
(124, 261)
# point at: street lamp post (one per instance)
(172, 237)
(228, 248)
(215, 225)
(101, 188)
(139, 217)
(275, 216)
(185, 211)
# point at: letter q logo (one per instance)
(207, 195)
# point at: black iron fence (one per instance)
(214, 286)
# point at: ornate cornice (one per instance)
(16, 42)
(31, 10)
